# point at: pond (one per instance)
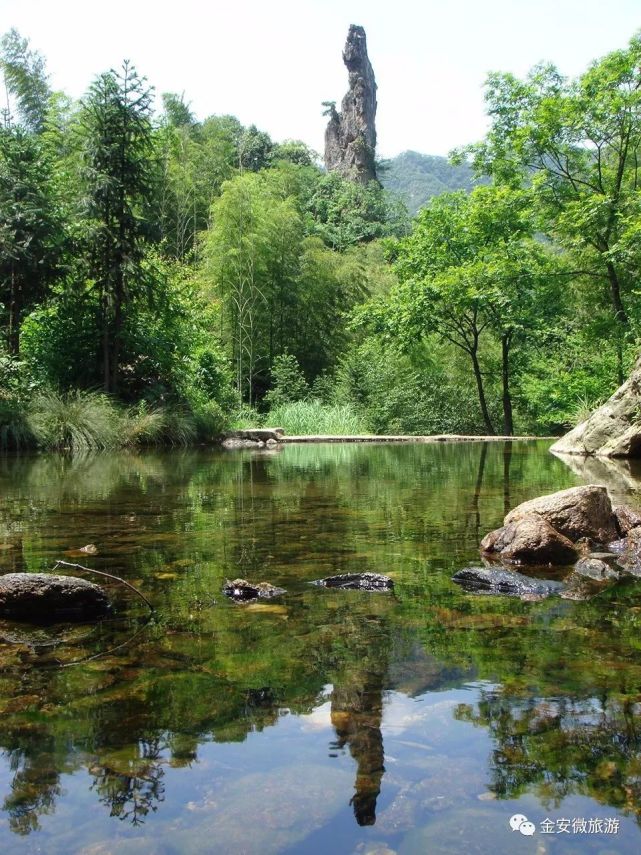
(325, 720)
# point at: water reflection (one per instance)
(173, 733)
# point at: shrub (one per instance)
(288, 382)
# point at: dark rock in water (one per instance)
(594, 568)
(44, 598)
(574, 513)
(357, 582)
(529, 539)
(350, 137)
(627, 519)
(243, 591)
(493, 580)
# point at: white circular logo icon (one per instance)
(520, 822)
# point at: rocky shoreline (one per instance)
(576, 534)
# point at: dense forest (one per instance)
(416, 178)
(163, 278)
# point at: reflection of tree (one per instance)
(560, 746)
(130, 797)
(478, 489)
(35, 785)
(507, 462)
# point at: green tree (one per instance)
(255, 149)
(32, 233)
(25, 80)
(344, 213)
(195, 161)
(118, 152)
(287, 382)
(470, 267)
(579, 143)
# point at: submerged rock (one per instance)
(357, 581)
(627, 519)
(243, 591)
(595, 569)
(628, 551)
(575, 513)
(44, 598)
(494, 580)
(529, 539)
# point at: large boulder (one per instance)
(493, 580)
(529, 539)
(575, 513)
(44, 598)
(614, 429)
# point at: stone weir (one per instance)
(270, 437)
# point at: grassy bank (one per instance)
(83, 421)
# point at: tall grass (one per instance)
(77, 422)
(313, 417)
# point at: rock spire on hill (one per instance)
(350, 137)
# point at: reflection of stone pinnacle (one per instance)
(356, 715)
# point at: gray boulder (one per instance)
(612, 430)
(44, 598)
(494, 580)
(529, 539)
(575, 513)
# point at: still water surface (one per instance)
(324, 721)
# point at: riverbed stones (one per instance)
(495, 580)
(241, 590)
(529, 539)
(575, 513)
(43, 598)
(357, 581)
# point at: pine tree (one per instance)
(119, 187)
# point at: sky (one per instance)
(273, 63)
